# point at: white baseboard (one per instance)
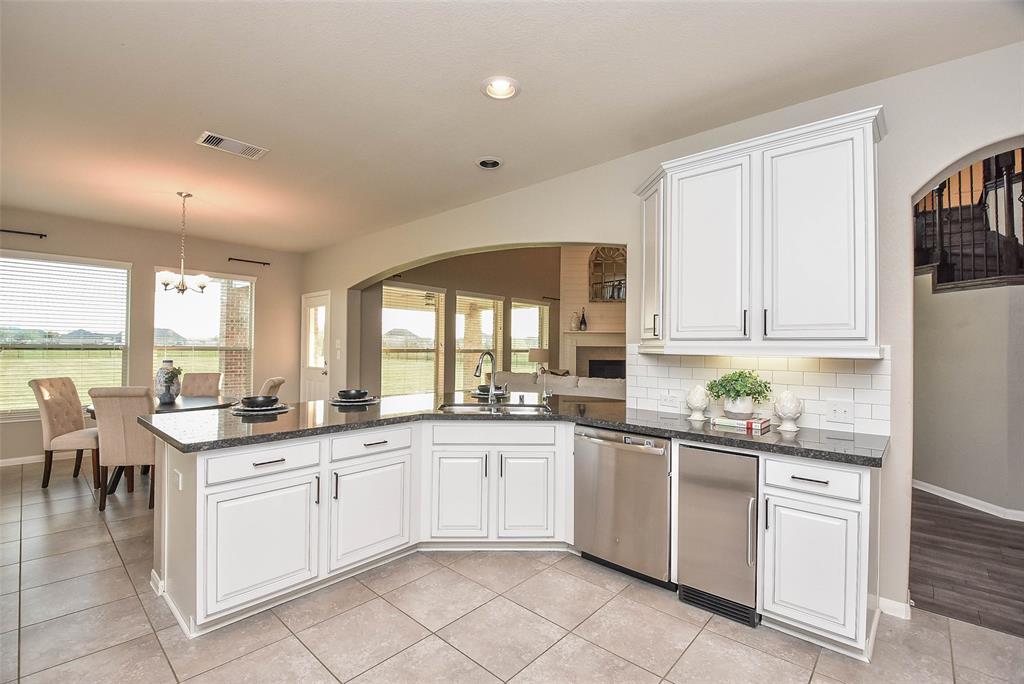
(970, 501)
(894, 608)
(38, 458)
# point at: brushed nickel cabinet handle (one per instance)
(809, 479)
(373, 444)
(266, 463)
(750, 529)
(335, 485)
(317, 500)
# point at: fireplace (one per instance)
(607, 368)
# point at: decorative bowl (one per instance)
(352, 394)
(259, 401)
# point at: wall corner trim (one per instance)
(970, 501)
(894, 608)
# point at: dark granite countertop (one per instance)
(219, 429)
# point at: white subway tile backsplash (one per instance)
(820, 379)
(660, 383)
(836, 393)
(835, 365)
(803, 365)
(854, 381)
(871, 396)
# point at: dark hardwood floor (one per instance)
(966, 564)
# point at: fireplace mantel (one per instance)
(573, 339)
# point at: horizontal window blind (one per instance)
(478, 328)
(412, 335)
(530, 330)
(60, 318)
(207, 333)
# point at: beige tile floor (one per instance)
(76, 607)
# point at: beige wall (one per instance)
(597, 204)
(968, 380)
(278, 289)
(514, 273)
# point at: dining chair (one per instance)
(60, 413)
(200, 385)
(123, 442)
(271, 387)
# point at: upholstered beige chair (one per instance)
(64, 425)
(271, 387)
(200, 385)
(123, 442)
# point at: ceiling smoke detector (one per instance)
(230, 145)
(489, 163)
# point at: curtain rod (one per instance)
(22, 232)
(249, 261)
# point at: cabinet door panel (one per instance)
(651, 282)
(260, 541)
(459, 494)
(811, 561)
(369, 509)
(526, 494)
(709, 237)
(816, 249)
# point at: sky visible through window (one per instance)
(194, 316)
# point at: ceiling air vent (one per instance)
(230, 145)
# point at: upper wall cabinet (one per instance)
(766, 247)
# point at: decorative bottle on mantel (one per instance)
(583, 319)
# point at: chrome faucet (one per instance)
(479, 370)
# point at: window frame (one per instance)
(440, 324)
(30, 415)
(251, 279)
(511, 344)
(497, 336)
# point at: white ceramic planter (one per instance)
(741, 408)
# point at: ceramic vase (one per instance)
(166, 392)
(741, 408)
(574, 322)
(697, 400)
(788, 408)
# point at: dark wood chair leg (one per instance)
(129, 475)
(78, 462)
(152, 487)
(47, 467)
(95, 468)
(103, 487)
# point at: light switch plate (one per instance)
(839, 412)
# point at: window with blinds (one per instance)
(209, 332)
(478, 328)
(412, 342)
(530, 330)
(60, 317)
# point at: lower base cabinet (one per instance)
(261, 540)
(370, 508)
(526, 494)
(459, 489)
(811, 565)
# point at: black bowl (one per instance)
(352, 393)
(483, 389)
(259, 401)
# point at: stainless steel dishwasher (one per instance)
(621, 501)
(718, 532)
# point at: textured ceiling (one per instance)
(372, 111)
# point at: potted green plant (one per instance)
(740, 389)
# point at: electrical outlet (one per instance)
(839, 411)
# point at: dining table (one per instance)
(182, 403)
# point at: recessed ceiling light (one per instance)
(500, 87)
(489, 162)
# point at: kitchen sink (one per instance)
(496, 409)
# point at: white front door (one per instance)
(316, 336)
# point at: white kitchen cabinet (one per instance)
(459, 493)
(653, 258)
(260, 540)
(526, 493)
(770, 245)
(369, 508)
(811, 564)
(709, 243)
(818, 223)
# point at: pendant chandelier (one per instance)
(200, 281)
